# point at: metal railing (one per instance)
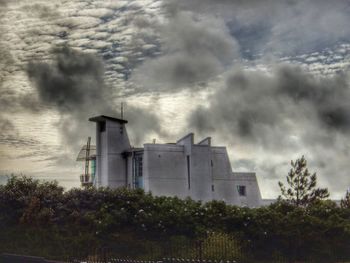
(213, 249)
(86, 179)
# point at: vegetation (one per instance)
(302, 189)
(40, 218)
(345, 202)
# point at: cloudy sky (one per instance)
(268, 79)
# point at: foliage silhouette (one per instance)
(345, 202)
(40, 218)
(302, 189)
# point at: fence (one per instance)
(165, 260)
(217, 248)
(213, 249)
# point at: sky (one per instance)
(267, 79)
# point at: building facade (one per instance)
(183, 169)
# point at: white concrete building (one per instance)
(184, 169)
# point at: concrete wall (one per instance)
(226, 190)
(129, 182)
(111, 144)
(200, 171)
(165, 170)
(208, 177)
(118, 143)
(222, 171)
(104, 159)
(253, 196)
(101, 152)
(205, 141)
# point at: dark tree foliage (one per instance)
(29, 201)
(345, 202)
(40, 219)
(302, 190)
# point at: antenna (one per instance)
(122, 110)
(87, 154)
(87, 157)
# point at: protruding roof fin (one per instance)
(103, 118)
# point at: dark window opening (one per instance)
(241, 190)
(137, 171)
(188, 172)
(212, 188)
(211, 162)
(102, 126)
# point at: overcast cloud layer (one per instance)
(282, 114)
(74, 86)
(268, 79)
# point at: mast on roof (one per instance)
(88, 155)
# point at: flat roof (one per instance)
(103, 118)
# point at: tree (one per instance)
(345, 202)
(26, 200)
(302, 189)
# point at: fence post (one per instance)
(200, 250)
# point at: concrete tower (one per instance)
(112, 142)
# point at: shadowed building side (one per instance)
(112, 142)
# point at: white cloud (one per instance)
(96, 12)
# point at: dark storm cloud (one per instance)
(193, 51)
(72, 82)
(285, 26)
(329, 96)
(202, 38)
(279, 116)
(73, 85)
(263, 108)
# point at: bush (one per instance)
(41, 219)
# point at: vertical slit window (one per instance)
(188, 172)
(102, 126)
(137, 171)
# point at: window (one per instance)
(102, 126)
(188, 172)
(138, 165)
(241, 190)
(137, 171)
